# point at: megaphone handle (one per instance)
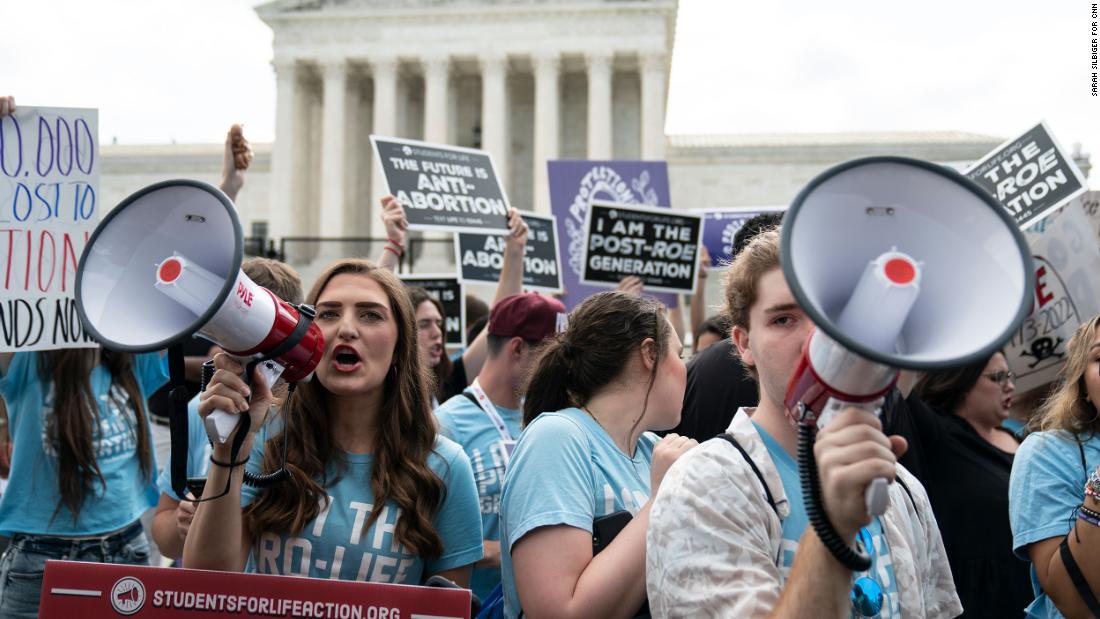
(877, 496)
(220, 424)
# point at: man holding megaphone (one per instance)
(877, 256)
(739, 519)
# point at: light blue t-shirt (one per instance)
(882, 569)
(1047, 485)
(32, 495)
(335, 545)
(566, 470)
(198, 451)
(468, 425)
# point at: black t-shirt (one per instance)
(967, 483)
(456, 382)
(717, 385)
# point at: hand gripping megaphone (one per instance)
(166, 264)
(899, 263)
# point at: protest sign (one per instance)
(49, 181)
(721, 225)
(573, 186)
(661, 246)
(442, 187)
(449, 291)
(481, 256)
(1030, 176)
(1067, 293)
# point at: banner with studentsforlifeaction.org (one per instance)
(1031, 176)
(574, 184)
(1066, 254)
(73, 589)
(442, 187)
(49, 182)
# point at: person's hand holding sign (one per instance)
(631, 284)
(516, 241)
(7, 105)
(235, 160)
(397, 226)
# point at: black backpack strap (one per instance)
(744, 454)
(1078, 578)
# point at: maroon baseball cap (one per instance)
(528, 315)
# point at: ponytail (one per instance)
(593, 351)
(548, 389)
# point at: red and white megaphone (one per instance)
(899, 263)
(165, 264)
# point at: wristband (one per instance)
(233, 465)
(395, 252)
(1082, 515)
(1091, 513)
(1093, 482)
(399, 245)
(1092, 493)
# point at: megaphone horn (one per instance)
(165, 264)
(899, 263)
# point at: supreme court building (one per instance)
(526, 80)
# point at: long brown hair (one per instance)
(603, 332)
(442, 370)
(72, 425)
(404, 438)
(1069, 408)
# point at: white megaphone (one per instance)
(166, 264)
(899, 263)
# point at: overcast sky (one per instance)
(161, 70)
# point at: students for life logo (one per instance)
(128, 595)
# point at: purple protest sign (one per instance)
(573, 186)
(720, 226)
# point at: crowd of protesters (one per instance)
(564, 464)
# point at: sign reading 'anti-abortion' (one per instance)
(658, 245)
(481, 256)
(49, 181)
(442, 187)
(448, 290)
(1030, 176)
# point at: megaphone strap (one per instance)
(305, 318)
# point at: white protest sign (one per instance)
(49, 182)
(1067, 293)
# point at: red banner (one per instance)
(88, 590)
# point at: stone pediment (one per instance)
(285, 7)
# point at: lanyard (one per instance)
(490, 410)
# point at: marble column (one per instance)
(283, 166)
(654, 68)
(333, 147)
(494, 111)
(436, 82)
(547, 67)
(384, 124)
(599, 106)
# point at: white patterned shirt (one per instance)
(714, 543)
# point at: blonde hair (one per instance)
(1068, 408)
